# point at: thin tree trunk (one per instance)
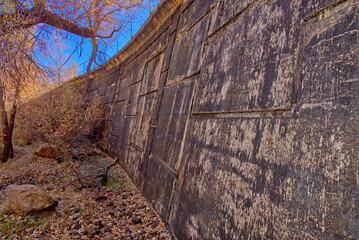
(92, 58)
(11, 123)
(5, 125)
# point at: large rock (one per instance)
(24, 199)
(46, 152)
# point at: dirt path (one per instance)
(115, 211)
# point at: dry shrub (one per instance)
(61, 118)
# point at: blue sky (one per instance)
(63, 50)
(120, 41)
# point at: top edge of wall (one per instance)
(163, 10)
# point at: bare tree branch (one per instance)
(39, 14)
(110, 36)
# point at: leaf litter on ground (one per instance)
(114, 211)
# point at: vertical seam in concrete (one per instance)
(175, 23)
(171, 114)
(112, 113)
(154, 117)
(171, 51)
(298, 62)
(114, 103)
(156, 111)
(182, 164)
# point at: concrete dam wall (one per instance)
(238, 119)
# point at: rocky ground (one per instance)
(114, 211)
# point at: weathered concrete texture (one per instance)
(140, 133)
(152, 75)
(193, 12)
(227, 10)
(330, 39)
(241, 73)
(124, 143)
(122, 90)
(134, 93)
(117, 120)
(172, 120)
(228, 178)
(134, 164)
(238, 119)
(323, 185)
(158, 186)
(187, 51)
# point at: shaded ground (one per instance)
(115, 211)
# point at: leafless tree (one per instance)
(25, 27)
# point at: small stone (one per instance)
(129, 237)
(77, 225)
(124, 196)
(100, 198)
(128, 231)
(136, 220)
(142, 206)
(155, 224)
(77, 210)
(108, 238)
(93, 153)
(60, 159)
(76, 216)
(95, 231)
(163, 236)
(108, 230)
(137, 236)
(87, 190)
(152, 235)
